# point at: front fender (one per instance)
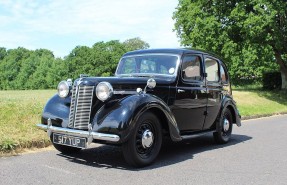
(58, 110)
(120, 117)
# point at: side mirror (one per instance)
(151, 83)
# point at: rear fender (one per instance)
(231, 105)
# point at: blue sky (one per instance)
(61, 25)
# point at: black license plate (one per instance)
(72, 141)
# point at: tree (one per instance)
(2, 53)
(27, 69)
(10, 67)
(79, 61)
(39, 69)
(106, 56)
(135, 44)
(252, 35)
(100, 60)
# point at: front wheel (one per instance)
(145, 142)
(223, 128)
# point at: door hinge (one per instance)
(205, 113)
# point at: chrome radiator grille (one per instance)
(81, 104)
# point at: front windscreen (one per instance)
(148, 65)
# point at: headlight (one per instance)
(104, 91)
(63, 89)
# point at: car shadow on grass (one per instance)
(105, 156)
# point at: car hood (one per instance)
(125, 82)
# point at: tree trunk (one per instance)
(283, 69)
(284, 81)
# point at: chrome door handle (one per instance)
(180, 90)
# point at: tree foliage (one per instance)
(250, 35)
(39, 69)
(135, 44)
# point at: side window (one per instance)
(212, 70)
(223, 74)
(191, 68)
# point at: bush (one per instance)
(7, 145)
(272, 80)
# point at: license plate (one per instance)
(72, 141)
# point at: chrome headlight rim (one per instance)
(108, 91)
(63, 89)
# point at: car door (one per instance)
(214, 89)
(190, 100)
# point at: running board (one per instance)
(194, 135)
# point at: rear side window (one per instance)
(212, 70)
(223, 74)
(191, 67)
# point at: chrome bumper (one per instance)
(80, 133)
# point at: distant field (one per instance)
(21, 110)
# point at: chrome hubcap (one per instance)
(225, 125)
(147, 138)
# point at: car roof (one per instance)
(177, 51)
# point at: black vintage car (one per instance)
(179, 93)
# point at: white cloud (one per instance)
(94, 20)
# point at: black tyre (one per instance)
(223, 128)
(145, 142)
(66, 149)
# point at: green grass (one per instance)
(260, 103)
(21, 110)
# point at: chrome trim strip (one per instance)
(80, 133)
(124, 92)
(73, 106)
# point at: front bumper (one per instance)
(90, 135)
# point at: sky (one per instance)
(61, 25)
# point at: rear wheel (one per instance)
(223, 128)
(145, 142)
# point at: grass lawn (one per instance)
(260, 103)
(21, 110)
